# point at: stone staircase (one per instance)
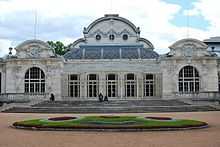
(120, 106)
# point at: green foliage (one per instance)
(58, 46)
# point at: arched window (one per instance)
(188, 80)
(34, 81)
(112, 85)
(92, 85)
(130, 85)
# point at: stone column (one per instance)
(64, 82)
(158, 84)
(82, 85)
(140, 85)
(85, 82)
(102, 83)
(120, 86)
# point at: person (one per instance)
(106, 98)
(100, 97)
(52, 98)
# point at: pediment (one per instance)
(34, 49)
(26, 45)
(188, 43)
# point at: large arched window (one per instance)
(34, 81)
(130, 85)
(188, 80)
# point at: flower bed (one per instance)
(159, 118)
(109, 116)
(122, 123)
(61, 118)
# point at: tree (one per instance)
(58, 47)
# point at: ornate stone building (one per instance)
(114, 60)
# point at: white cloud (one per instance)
(192, 12)
(4, 45)
(209, 9)
(64, 19)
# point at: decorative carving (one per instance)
(34, 51)
(188, 49)
(111, 22)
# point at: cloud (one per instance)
(192, 12)
(209, 9)
(4, 44)
(64, 20)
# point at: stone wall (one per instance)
(205, 66)
(119, 67)
(16, 69)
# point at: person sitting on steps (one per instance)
(106, 98)
(100, 97)
(52, 98)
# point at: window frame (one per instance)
(130, 86)
(188, 80)
(112, 85)
(74, 85)
(34, 81)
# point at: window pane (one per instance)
(149, 77)
(111, 77)
(92, 77)
(130, 77)
(181, 87)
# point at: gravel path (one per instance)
(209, 137)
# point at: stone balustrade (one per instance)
(23, 97)
(203, 95)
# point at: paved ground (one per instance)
(209, 137)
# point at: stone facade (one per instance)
(111, 59)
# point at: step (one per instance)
(109, 109)
(120, 103)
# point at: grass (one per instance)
(112, 122)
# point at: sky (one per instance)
(162, 22)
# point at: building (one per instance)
(113, 59)
(213, 44)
